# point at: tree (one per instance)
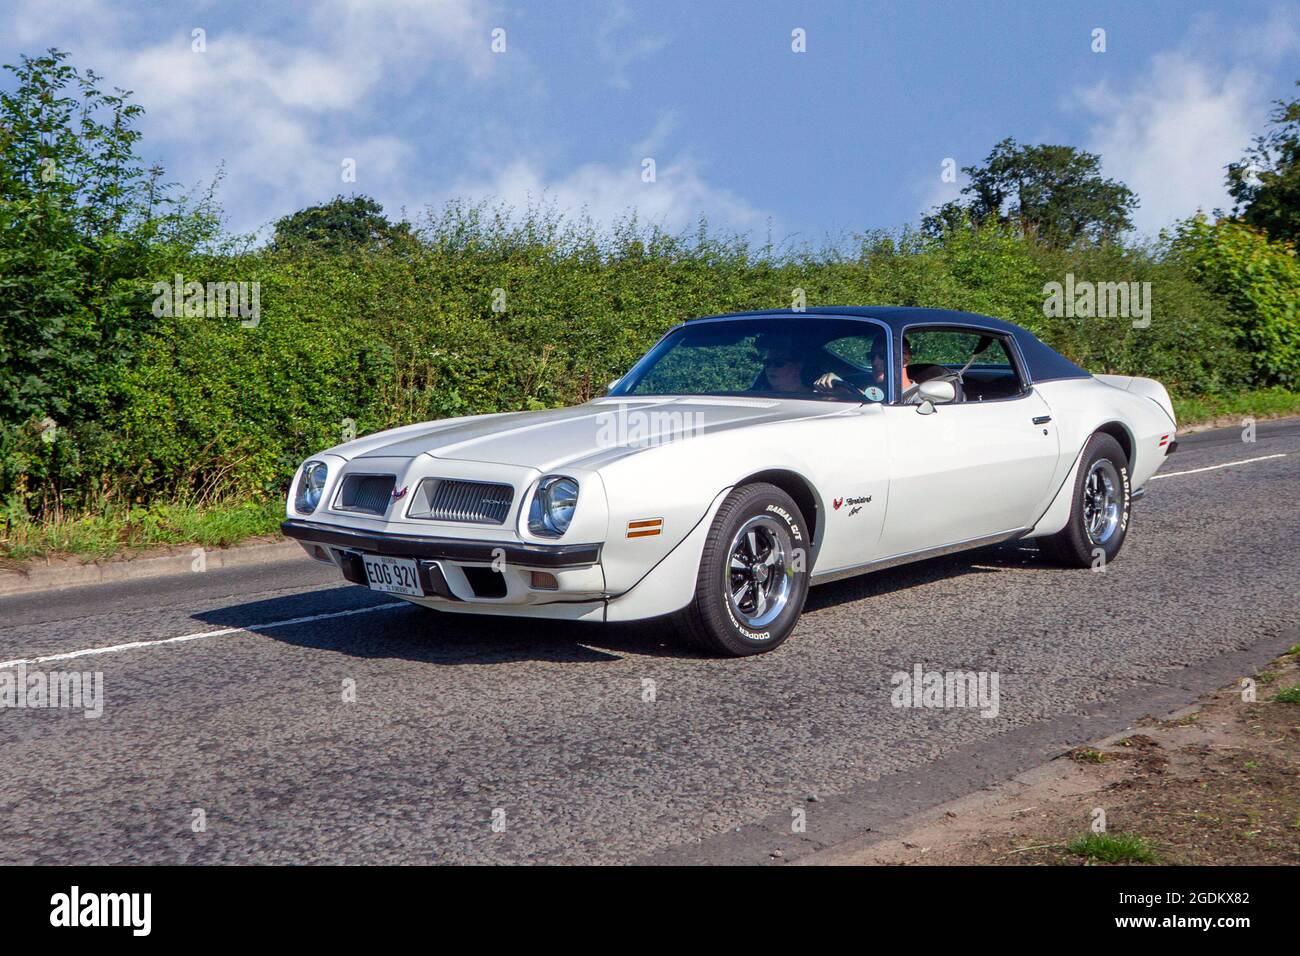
(81, 220)
(342, 223)
(1056, 193)
(1265, 184)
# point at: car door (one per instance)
(847, 458)
(970, 469)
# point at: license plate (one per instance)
(392, 575)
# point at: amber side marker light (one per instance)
(544, 581)
(644, 527)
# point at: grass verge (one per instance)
(112, 530)
(1218, 787)
(1259, 404)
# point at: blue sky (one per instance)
(848, 136)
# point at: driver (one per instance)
(876, 374)
(784, 365)
(909, 388)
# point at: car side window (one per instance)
(983, 360)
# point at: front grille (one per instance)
(369, 494)
(472, 502)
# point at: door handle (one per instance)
(1042, 419)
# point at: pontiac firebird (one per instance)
(742, 460)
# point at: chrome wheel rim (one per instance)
(1102, 501)
(757, 580)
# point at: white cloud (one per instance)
(32, 26)
(617, 49)
(254, 107)
(934, 191)
(241, 72)
(273, 108)
(1170, 135)
(1170, 138)
(1269, 39)
(605, 193)
(280, 106)
(390, 31)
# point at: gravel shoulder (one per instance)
(1218, 784)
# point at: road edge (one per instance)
(62, 576)
(887, 808)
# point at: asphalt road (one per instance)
(456, 718)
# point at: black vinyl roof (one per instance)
(1045, 363)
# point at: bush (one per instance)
(1259, 279)
(1191, 344)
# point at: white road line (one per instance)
(1226, 464)
(133, 645)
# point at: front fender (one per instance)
(670, 585)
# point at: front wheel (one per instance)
(753, 575)
(1099, 514)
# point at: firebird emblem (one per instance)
(838, 503)
(400, 494)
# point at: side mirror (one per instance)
(610, 387)
(934, 392)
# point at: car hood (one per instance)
(583, 436)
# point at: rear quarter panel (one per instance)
(1080, 407)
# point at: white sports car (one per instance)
(743, 459)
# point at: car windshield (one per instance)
(806, 357)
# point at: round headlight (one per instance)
(561, 500)
(553, 506)
(310, 487)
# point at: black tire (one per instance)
(766, 516)
(1076, 545)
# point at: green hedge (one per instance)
(1260, 281)
(208, 408)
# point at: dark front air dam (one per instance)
(448, 549)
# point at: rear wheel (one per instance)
(753, 575)
(1099, 514)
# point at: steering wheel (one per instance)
(831, 381)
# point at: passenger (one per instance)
(782, 368)
(908, 390)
